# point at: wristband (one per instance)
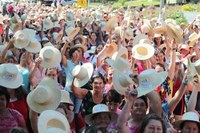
(184, 83)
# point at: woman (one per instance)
(91, 97)
(9, 118)
(152, 123)
(109, 76)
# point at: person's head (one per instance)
(67, 110)
(93, 129)
(113, 100)
(4, 98)
(160, 56)
(101, 120)
(159, 67)
(18, 93)
(17, 130)
(129, 48)
(98, 82)
(152, 123)
(11, 59)
(109, 75)
(93, 36)
(52, 73)
(99, 48)
(139, 107)
(157, 39)
(81, 53)
(190, 127)
(74, 53)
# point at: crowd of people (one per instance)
(67, 69)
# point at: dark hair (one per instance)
(183, 124)
(98, 76)
(92, 129)
(71, 51)
(17, 130)
(148, 118)
(20, 92)
(161, 65)
(144, 98)
(160, 51)
(113, 96)
(4, 92)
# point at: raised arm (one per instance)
(178, 95)
(155, 103)
(79, 92)
(172, 60)
(125, 114)
(64, 58)
(193, 98)
(10, 44)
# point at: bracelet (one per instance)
(184, 83)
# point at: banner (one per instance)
(82, 3)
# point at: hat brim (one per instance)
(139, 37)
(123, 53)
(157, 79)
(55, 99)
(174, 33)
(45, 118)
(80, 46)
(116, 84)
(160, 30)
(149, 48)
(36, 48)
(14, 84)
(83, 40)
(121, 67)
(74, 33)
(88, 118)
(56, 59)
(113, 21)
(89, 67)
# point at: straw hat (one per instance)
(47, 24)
(23, 37)
(121, 81)
(193, 38)
(175, 32)
(128, 33)
(80, 46)
(72, 32)
(82, 74)
(193, 71)
(65, 98)
(122, 52)
(119, 63)
(143, 51)
(160, 29)
(10, 76)
(111, 24)
(81, 38)
(138, 38)
(45, 96)
(118, 31)
(92, 50)
(188, 116)
(145, 28)
(16, 19)
(110, 50)
(97, 109)
(51, 121)
(51, 57)
(149, 80)
(34, 46)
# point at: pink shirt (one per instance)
(11, 121)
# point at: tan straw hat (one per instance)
(193, 38)
(72, 32)
(97, 109)
(175, 32)
(111, 24)
(47, 24)
(51, 121)
(34, 46)
(82, 74)
(51, 57)
(143, 51)
(10, 76)
(45, 96)
(122, 52)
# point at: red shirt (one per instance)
(80, 125)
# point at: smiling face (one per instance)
(101, 120)
(98, 85)
(139, 108)
(190, 127)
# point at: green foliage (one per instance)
(189, 7)
(122, 2)
(177, 15)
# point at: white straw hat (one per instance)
(142, 51)
(188, 116)
(10, 76)
(34, 46)
(82, 74)
(47, 24)
(51, 57)
(97, 109)
(65, 98)
(121, 81)
(149, 80)
(193, 71)
(51, 121)
(138, 38)
(71, 32)
(45, 96)
(122, 52)
(22, 38)
(111, 24)
(193, 38)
